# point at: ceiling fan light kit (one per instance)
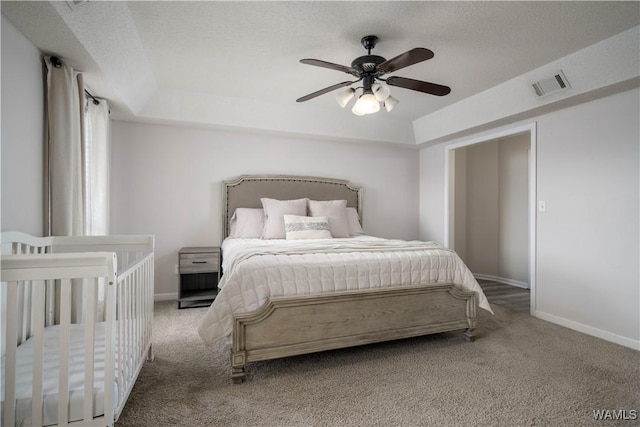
(369, 70)
(366, 104)
(389, 103)
(381, 91)
(343, 97)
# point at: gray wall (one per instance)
(166, 180)
(491, 229)
(513, 208)
(587, 260)
(482, 220)
(459, 190)
(22, 133)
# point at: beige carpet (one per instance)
(521, 371)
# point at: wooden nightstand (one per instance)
(199, 269)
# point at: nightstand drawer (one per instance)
(199, 268)
(199, 263)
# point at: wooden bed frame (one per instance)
(288, 326)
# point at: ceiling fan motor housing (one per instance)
(367, 63)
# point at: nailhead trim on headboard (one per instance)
(350, 190)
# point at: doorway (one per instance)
(490, 215)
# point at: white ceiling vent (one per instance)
(551, 85)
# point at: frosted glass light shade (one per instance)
(390, 102)
(345, 96)
(355, 111)
(366, 104)
(381, 91)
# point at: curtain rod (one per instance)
(95, 101)
(57, 63)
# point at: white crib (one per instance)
(77, 317)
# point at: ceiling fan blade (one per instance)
(330, 65)
(410, 57)
(420, 86)
(325, 90)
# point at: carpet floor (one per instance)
(521, 371)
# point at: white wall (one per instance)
(588, 256)
(167, 181)
(588, 237)
(431, 200)
(22, 139)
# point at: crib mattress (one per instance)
(24, 376)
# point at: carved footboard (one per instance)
(288, 326)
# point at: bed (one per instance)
(281, 297)
(77, 317)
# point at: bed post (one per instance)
(238, 353)
(470, 333)
(238, 361)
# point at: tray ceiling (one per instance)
(226, 63)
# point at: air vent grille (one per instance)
(552, 84)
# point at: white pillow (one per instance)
(353, 221)
(246, 223)
(335, 211)
(273, 215)
(306, 227)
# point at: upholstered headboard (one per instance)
(247, 190)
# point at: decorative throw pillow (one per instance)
(335, 211)
(273, 215)
(353, 221)
(246, 223)
(306, 227)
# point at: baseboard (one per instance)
(504, 280)
(589, 330)
(166, 297)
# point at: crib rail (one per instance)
(15, 242)
(128, 248)
(135, 318)
(128, 317)
(36, 269)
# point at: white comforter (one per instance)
(256, 269)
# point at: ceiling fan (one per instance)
(369, 69)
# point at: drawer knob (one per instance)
(198, 262)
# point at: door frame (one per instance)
(449, 186)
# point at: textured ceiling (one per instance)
(252, 49)
(133, 51)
